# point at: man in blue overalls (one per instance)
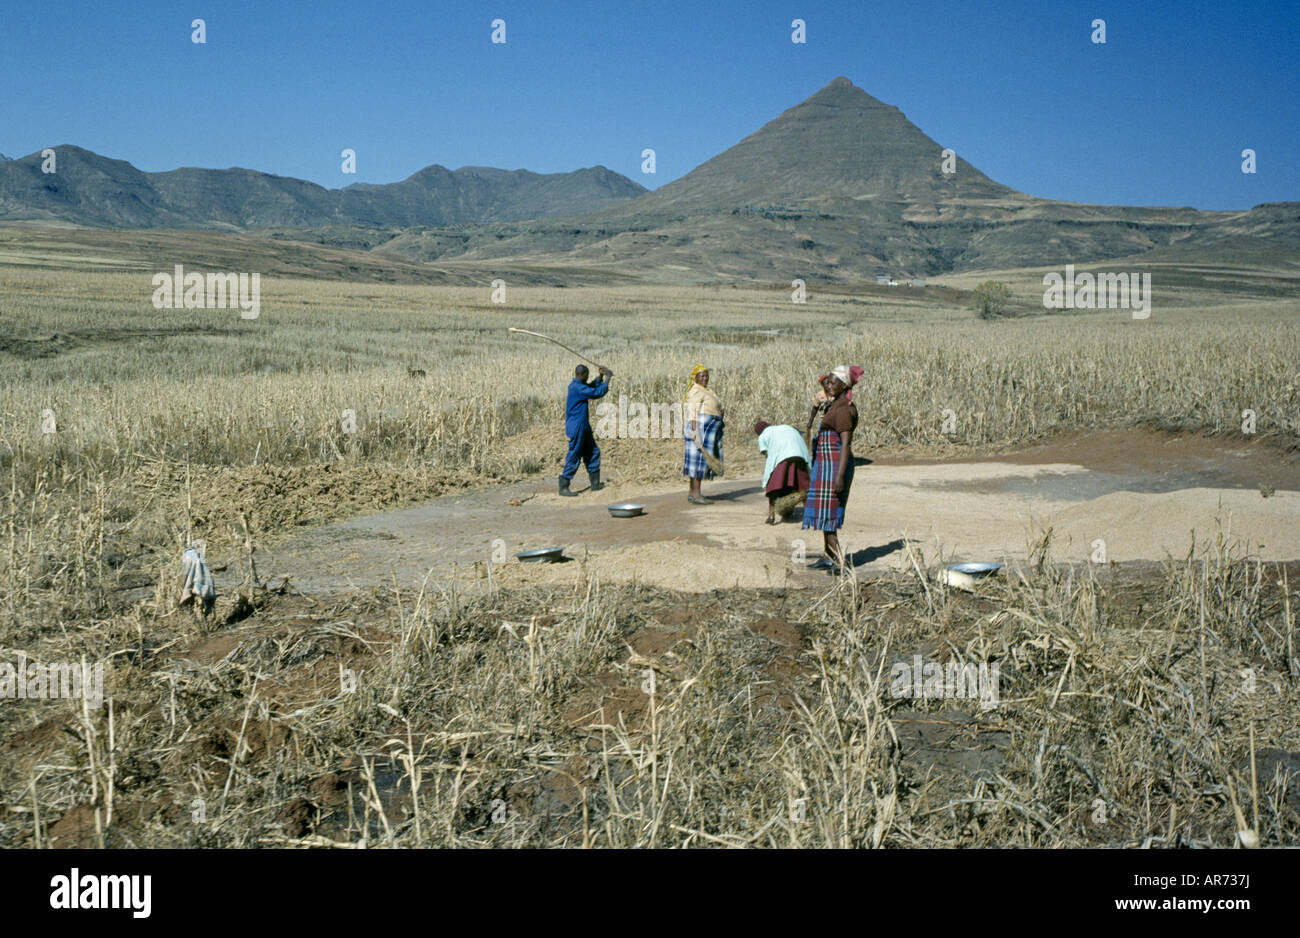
(582, 442)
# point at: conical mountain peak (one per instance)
(841, 91)
(840, 143)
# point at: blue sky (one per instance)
(1158, 115)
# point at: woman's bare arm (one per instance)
(845, 456)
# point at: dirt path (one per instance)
(1142, 493)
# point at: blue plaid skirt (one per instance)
(694, 466)
(824, 509)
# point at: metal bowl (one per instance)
(547, 554)
(976, 568)
(626, 510)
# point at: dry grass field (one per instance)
(1152, 705)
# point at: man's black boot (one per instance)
(596, 484)
(564, 487)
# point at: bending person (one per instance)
(785, 477)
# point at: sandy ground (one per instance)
(1144, 494)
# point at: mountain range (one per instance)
(95, 191)
(840, 187)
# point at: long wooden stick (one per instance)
(560, 344)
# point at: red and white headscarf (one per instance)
(848, 376)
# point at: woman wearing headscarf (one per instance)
(785, 477)
(832, 466)
(703, 424)
(855, 375)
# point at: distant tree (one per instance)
(990, 299)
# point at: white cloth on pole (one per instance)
(198, 579)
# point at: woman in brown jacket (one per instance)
(832, 453)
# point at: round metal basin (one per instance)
(545, 555)
(976, 569)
